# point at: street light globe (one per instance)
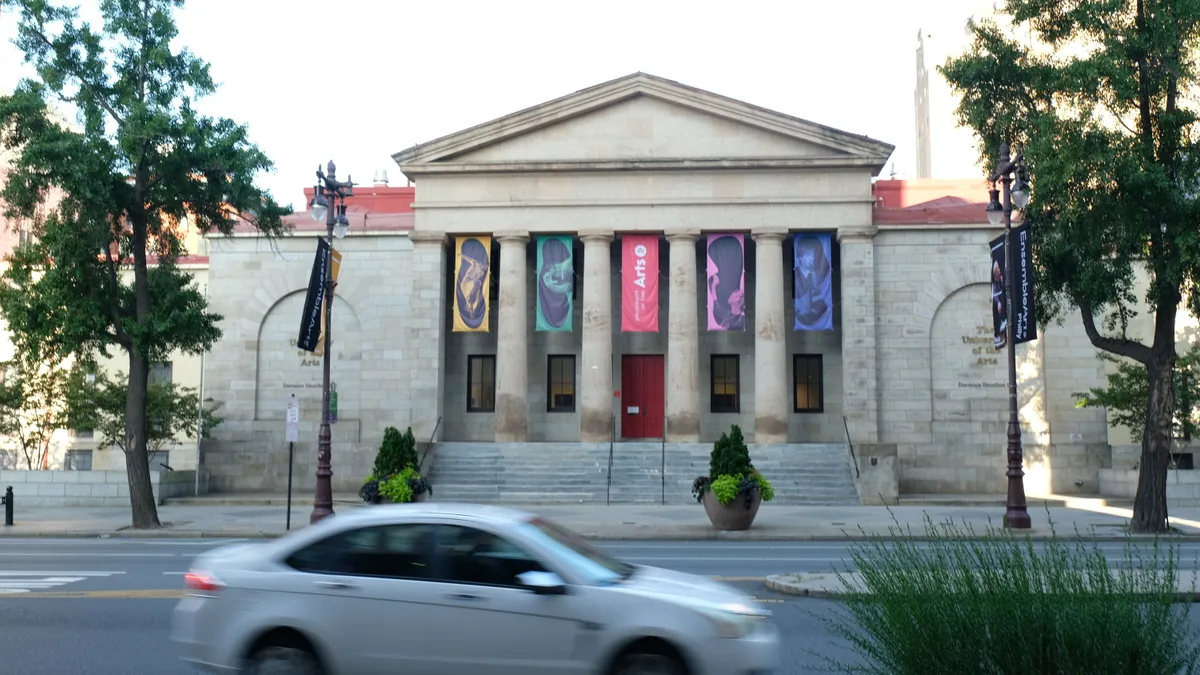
(341, 226)
(995, 212)
(317, 207)
(1020, 195)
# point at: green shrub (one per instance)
(397, 453)
(992, 603)
(730, 456)
(397, 488)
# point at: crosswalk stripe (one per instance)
(25, 581)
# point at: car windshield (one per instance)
(585, 560)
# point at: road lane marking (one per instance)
(89, 554)
(145, 594)
(14, 582)
(56, 573)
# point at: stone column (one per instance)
(770, 329)
(428, 368)
(512, 343)
(683, 341)
(860, 398)
(596, 371)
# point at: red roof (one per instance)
(930, 202)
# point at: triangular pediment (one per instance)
(643, 120)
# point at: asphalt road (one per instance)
(102, 606)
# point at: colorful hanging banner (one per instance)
(726, 282)
(812, 281)
(639, 284)
(472, 284)
(555, 284)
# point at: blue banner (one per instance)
(812, 280)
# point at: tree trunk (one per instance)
(137, 461)
(1150, 503)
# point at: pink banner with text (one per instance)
(639, 284)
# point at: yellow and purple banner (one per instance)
(472, 284)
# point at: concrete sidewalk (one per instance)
(1090, 518)
(833, 586)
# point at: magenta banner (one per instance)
(639, 283)
(726, 282)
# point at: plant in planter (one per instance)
(733, 489)
(395, 477)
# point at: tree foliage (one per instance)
(33, 406)
(137, 161)
(172, 411)
(1128, 390)
(1100, 95)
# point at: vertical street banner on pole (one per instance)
(472, 284)
(726, 276)
(336, 267)
(555, 283)
(312, 323)
(292, 425)
(1025, 324)
(812, 281)
(639, 284)
(999, 296)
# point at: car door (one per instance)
(369, 587)
(508, 629)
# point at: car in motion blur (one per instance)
(457, 589)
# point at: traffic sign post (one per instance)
(292, 431)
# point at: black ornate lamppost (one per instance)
(1013, 177)
(328, 204)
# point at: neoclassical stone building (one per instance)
(587, 293)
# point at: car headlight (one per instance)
(735, 621)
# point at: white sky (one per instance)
(357, 80)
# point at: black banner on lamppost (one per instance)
(311, 324)
(999, 299)
(1025, 319)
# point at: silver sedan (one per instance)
(457, 589)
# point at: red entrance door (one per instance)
(642, 401)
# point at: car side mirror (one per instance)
(543, 583)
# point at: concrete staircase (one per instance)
(577, 473)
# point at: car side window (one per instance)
(474, 556)
(398, 551)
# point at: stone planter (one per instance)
(423, 497)
(732, 516)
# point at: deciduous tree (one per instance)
(1101, 95)
(138, 160)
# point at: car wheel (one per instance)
(648, 661)
(284, 660)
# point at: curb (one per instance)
(786, 584)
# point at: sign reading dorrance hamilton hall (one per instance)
(1025, 324)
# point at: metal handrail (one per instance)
(850, 443)
(421, 464)
(612, 438)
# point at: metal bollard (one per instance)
(8, 506)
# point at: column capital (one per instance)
(427, 238)
(769, 236)
(857, 233)
(684, 237)
(512, 238)
(596, 237)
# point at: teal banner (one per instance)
(555, 283)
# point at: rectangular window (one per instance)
(481, 383)
(83, 433)
(161, 373)
(560, 380)
(78, 460)
(724, 397)
(807, 383)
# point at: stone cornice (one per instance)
(425, 238)
(668, 201)
(769, 236)
(512, 238)
(857, 233)
(685, 237)
(596, 237)
(418, 159)
(774, 163)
